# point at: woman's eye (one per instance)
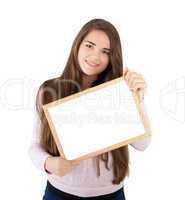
(106, 52)
(88, 45)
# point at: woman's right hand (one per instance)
(59, 166)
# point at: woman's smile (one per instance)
(91, 63)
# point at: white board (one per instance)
(96, 120)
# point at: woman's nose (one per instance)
(95, 57)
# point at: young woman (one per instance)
(95, 58)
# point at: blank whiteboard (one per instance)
(96, 120)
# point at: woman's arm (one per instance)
(143, 144)
(36, 153)
(136, 82)
(43, 160)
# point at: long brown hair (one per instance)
(69, 82)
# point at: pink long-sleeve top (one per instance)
(81, 180)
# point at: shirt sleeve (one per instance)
(141, 145)
(36, 152)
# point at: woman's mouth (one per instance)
(92, 64)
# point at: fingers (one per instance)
(70, 162)
(139, 86)
(132, 75)
(134, 80)
(75, 162)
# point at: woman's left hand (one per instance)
(135, 82)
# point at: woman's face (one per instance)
(93, 54)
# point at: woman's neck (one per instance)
(87, 80)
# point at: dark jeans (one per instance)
(52, 193)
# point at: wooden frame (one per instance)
(57, 109)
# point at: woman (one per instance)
(95, 58)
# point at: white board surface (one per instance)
(95, 120)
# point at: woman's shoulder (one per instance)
(51, 82)
(48, 91)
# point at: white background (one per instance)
(35, 40)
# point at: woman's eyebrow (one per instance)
(95, 44)
(90, 42)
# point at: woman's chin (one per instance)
(88, 72)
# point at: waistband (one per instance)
(68, 196)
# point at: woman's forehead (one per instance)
(99, 38)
